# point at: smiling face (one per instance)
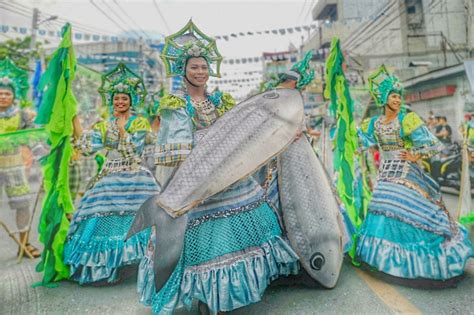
(394, 102)
(121, 102)
(6, 98)
(197, 71)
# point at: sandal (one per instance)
(32, 250)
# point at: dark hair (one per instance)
(189, 58)
(8, 87)
(128, 94)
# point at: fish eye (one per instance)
(317, 261)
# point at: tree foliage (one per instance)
(18, 50)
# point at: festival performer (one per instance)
(408, 232)
(233, 243)
(95, 248)
(13, 90)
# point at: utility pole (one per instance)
(35, 22)
(141, 63)
(469, 35)
(34, 28)
(302, 46)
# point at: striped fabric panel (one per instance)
(400, 201)
(424, 181)
(118, 192)
(407, 197)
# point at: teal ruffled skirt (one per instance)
(233, 249)
(408, 232)
(95, 248)
(402, 250)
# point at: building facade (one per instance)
(424, 42)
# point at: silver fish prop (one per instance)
(169, 235)
(310, 212)
(236, 145)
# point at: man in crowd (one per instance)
(443, 131)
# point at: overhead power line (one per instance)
(109, 7)
(11, 10)
(310, 9)
(302, 9)
(107, 16)
(162, 17)
(381, 28)
(77, 25)
(354, 36)
(131, 19)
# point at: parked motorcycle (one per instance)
(445, 167)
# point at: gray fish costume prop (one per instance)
(310, 212)
(238, 143)
(168, 249)
(235, 146)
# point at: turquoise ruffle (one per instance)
(146, 281)
(401, 250)
(226, 283)
(99, 259)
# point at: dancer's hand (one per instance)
(407, 156)
(76, 125)
(298, 135)
(121, 122)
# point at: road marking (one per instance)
(394, 300)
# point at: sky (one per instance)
(168, 16)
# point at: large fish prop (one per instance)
(237, 144)
(310, 212)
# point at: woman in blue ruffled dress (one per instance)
(95, 248)
(408, 232)
(233, 245)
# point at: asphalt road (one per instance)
(357, 292)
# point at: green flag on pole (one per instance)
(345, 142)
(57, 109)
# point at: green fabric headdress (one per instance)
(14, 78)
(381, 84)
(187, 43)
(301, 72)
(122, 80)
